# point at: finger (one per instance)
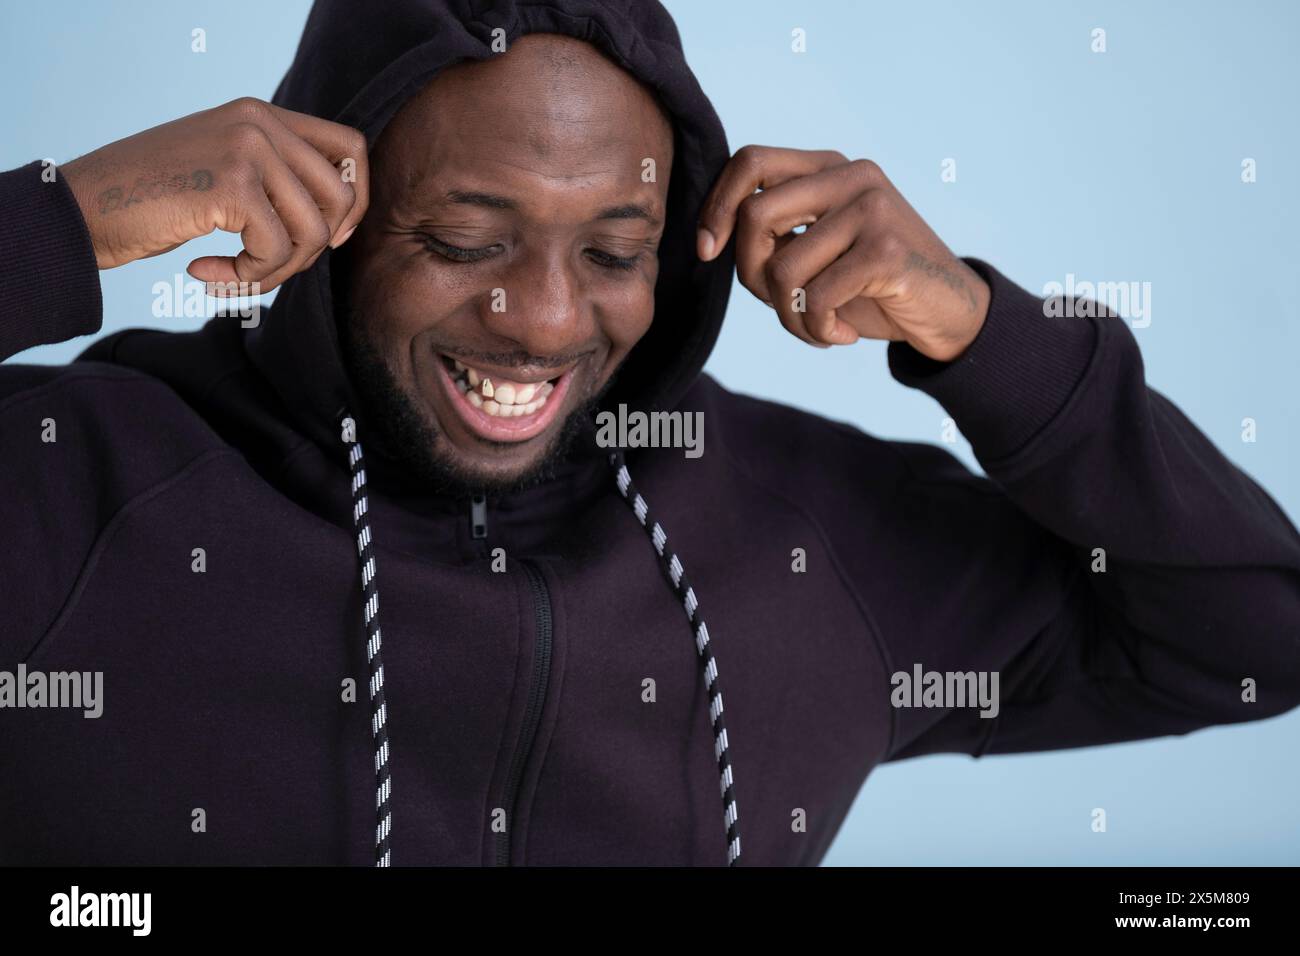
(753, 167)
(843, 255)
(294, 210)
(841, 299)
(266, 244)
(765, 217)
(297, 209)
(790, 271)
(346, 149)
(334, 197)
(864, 318)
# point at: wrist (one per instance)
(962, 330)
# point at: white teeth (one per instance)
(506, 400)
(498, 410)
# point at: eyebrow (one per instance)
(488, 200)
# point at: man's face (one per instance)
(511, 238)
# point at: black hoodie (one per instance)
(206, 533)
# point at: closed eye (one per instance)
(459, 253)
(609, 261)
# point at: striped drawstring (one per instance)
(686, 594)
(374, 645)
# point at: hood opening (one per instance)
(356, 67)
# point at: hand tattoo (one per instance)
(111, 199)
(949, 277)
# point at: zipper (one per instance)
(536, 700)
(478, 516)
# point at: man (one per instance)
(494, 234)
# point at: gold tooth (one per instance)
(488, 390)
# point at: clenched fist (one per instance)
(289, 184)
(866, 265)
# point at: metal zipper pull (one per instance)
(478, 516)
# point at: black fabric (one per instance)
(1117, 572)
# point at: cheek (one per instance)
(403, 296)
(627, 316)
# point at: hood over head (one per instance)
(357, 64)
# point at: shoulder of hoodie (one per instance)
(859, 493)
(125, 444)
(117, 427)
(809, 457)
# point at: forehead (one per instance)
(551, 106)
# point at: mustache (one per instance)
(513, 359)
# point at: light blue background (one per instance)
(1117, 166)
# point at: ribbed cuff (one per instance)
(1014, 377)
(49, 280)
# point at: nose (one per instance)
(539, 305)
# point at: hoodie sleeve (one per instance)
(49, 281)
(1121, 575)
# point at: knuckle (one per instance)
(816, 301)
(345, 197)
(866, 169)
(246, 137)
(749, 157)
(334, 196)
(355, 143)
(248, 109)
(319, 234)
(242, 175)
(749, 215)
(887, 247)
(872, 204)
(779, 273)
(282, 252)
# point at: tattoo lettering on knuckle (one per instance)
(149, 188)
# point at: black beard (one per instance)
(408, 437)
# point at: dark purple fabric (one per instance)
(223, 689)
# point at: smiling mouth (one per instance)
(501, 409)
(502, 398)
